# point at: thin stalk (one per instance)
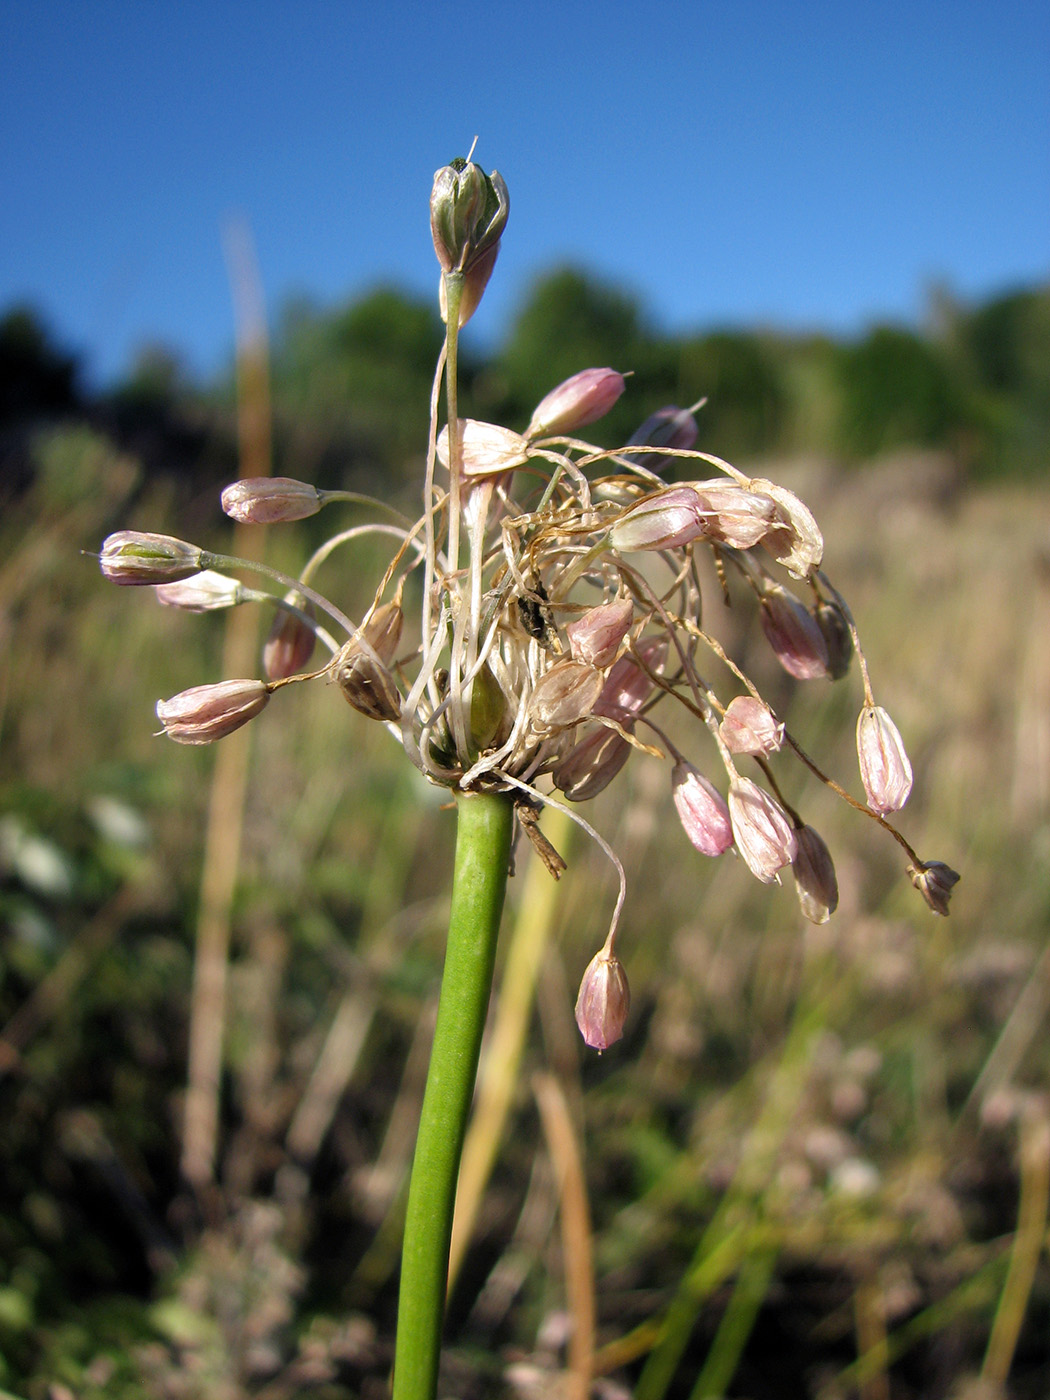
(478, 885)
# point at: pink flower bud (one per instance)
(290, 644)
(764, 836)
(591, 765)
(884, 767)
(935, 882)
(596, 636)
(487, 449)
(814, 871)
(701, 809)
(667, 427)
(137, 557)
(582, 399)
(735, 516)
(795, 638)
(603, 1002)
(750, 727)
(664, 520)
(203, 592)
(269, 500)
(797, 542)
(564, 695)
(628, 685)
(209, 712)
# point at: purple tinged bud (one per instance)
(468, 213)
(209, 712)
(838, 639)
(661, 521)
(751, 727)
(290, 645)
(487, 449)
(591, 765)
(204, 592)
(270, 500)
(935, 881)
(137, 557)
(582, 399)
(884, 767)
(794, 636)
(667, 427)
(764, 835)
(596, 636)
(701, 809)
(564, 695)
(736, 516)
(814, 871)
(603, 1002)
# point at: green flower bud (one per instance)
(468, 212)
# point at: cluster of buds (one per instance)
(561, 589)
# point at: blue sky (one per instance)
(803, 165)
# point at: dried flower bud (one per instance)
(603, 1002)
(884, 767)
(701, 809)
(814, 871)
(734, 515)
(290, 644)
(838, 639)
(764, 836)
(591, 765)
(795, 638)
(750, 727)
(935, 881)
(579, 400)
(664, 520)
(468, 212)
(269, 500)
(486, 448)
(797, 543)
(382, 631)
(596, 636)
(564, 695)
(360, 668)
(628, 685)
(203, 592)
(137, 557)
(667, 427)
(205, 713)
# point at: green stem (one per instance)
(478, 886)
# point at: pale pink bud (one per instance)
(667, 427)
(582, 399)
(735, 516)
(814, 871)
(564, 695)
(596, 636)
(137, 557)
(208, 712)
(750, 727)
(290, 644)
(269, 500)
(935, 882)
(487, 449)
(701, 809)
(628, 685)
(764, 836)
(794, 636)
(603, 1002)
(203, 592)
(797, 542)
(661, 521)
(884, 767)
(591, 765)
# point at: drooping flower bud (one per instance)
(797, 542)
(814, 871)
(795, 638)
(581, 399)
(764, 835)
(564, 695)
(205, 713)
(361, 672)
(270, 500)
(834, 628)
(667, 427)
(204, 592)
(137, 557)
(935, 881)
(701, 809)
(628, 685)
(734, 515)
(750, 727)
(486, 448)
(664, 520)
(596, 636)
(884, 767)
(590, 766)
(603, 1002)
(468, 212)
(290, 644)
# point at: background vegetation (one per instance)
(820, 1156)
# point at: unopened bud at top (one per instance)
(596, 636)
(468, 212)
(204, 592)
(582, 399)
(701, 809)
(884, 766)
(603, 1002)
(137, 557)
(764, 835)
(935, 882)
(795, 638)
(205, 713)
(749, 726)
(270, 500)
